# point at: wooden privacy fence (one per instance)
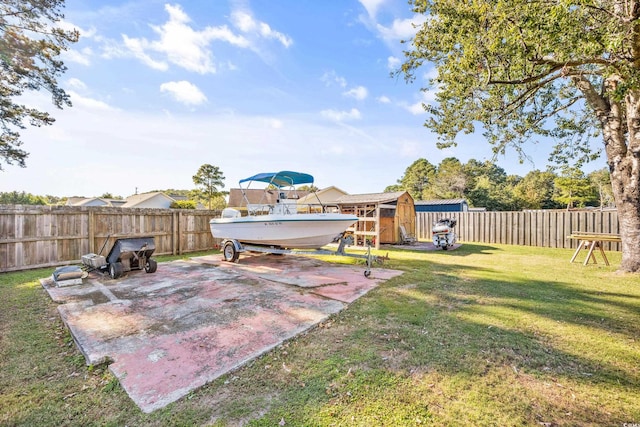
(527, 228)
(43, 236)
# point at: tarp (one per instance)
(281, 179)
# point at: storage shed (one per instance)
(380, 216)
(442, 205)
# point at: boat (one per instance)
(281, 223)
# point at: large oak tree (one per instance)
(522, 70)
(31, 41)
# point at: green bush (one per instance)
(183, 204)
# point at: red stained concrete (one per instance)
(173, 331)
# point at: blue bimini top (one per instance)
(281, 179)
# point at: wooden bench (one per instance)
(590, 241)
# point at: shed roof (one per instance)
(437, 202)
(370, 198)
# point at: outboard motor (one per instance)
(444, 235)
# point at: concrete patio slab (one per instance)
(168, 333)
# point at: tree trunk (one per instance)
(629, 219)
(622, 145)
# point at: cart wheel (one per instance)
(367, 273)
(151, 266)
(229, 252)
(115, 270)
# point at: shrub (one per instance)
(183, 204)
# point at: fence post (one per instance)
(180, 219)
(92, 231)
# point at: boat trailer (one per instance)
(232, 248)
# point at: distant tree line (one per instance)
(23, 198)
(209, 181)
(483, 184)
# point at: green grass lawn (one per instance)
(484, 335)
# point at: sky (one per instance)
(160, 88)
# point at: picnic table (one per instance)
(591, 241)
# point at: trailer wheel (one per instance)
(115, 270)
(229, 252)
(151, 266)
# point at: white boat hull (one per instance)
(303, 231)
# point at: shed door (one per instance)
(387, 225)
(407, 217)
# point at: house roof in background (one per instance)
(83, 201)
(137, 199)
(311, 198)
(73, 201)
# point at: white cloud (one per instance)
(371, 6)
(416, 108)
(400, 29)
(431, 73)
(180, 44)
(88, 103)
(184, 92)
(245, 22)
(359, 93)
(274, 123)
(331, 77)
(396, 30)
(76, 83)
(340, 116)
(410, 149)
(383, 99)
(82, 57)
(393, 63)
(68, 26)
(137, 47)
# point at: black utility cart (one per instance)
(125, 255)
(131, 254)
